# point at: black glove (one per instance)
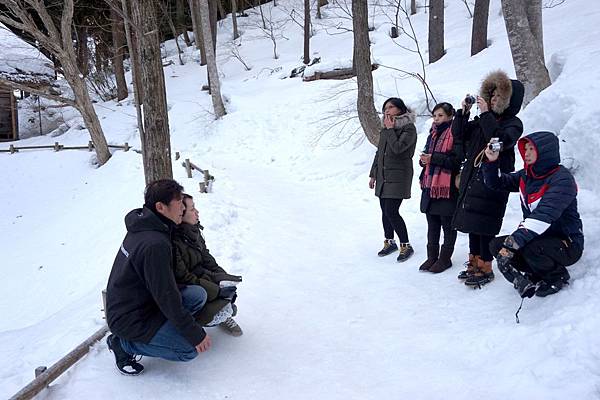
(524, 286)
(227, 293)
(503, 258)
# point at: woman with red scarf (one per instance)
(441, 164)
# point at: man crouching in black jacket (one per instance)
(146, 312)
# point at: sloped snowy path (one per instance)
(325, 318)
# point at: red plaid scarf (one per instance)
(435, 178)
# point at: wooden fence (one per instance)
(58, 147)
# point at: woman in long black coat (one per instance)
(480, 210)
(392, 172)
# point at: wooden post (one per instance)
(12, 149)
(50, 374)
(104, 302)
(188, 168)
(56, 146)
(126, 147)
(206, 181)
(177, 156)
(90, 146)
(202, 187)
(40, 370)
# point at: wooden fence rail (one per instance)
(44, 376)
(58, 147)
(208, 178)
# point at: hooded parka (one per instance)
(480, 210)
(392, 166)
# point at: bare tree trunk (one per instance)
(180, 21)
(213, 73)
(436, 30)
(480, 26)
(118, 51)
(534, 16)
(156, 146)
(197, 22)
(527, 54)
(212, 7)
(413, 7)
(56, 38)
(362, 65)
(167, 15)
(307, 31)
(83, 50)
(134, 57)
(236, 34)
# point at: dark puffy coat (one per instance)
(194, 265)
(392, 166)
(141, 293)
(548, 193)
(480, 210)
(452, 162)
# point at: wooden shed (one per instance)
(9, 123)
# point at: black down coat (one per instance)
(480, 210)
(392, 166)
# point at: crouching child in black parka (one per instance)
(550, 237)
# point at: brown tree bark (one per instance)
(83, 50)
(56, 38)
(212, 7)
(156, 145)
(413, 7)
(180, 21)
(480, 26)
(306, 32)
(213, 74)
(197, 23)
(361, 61)
(436, 30)
(236, 34)
(526, 45)
(118, 39)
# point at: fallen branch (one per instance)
(338, 73)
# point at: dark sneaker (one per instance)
(406, 251)
(544, 289)
(231, 327)
(126, 363)
(478, 279)
(389, 246)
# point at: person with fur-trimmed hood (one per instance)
(550, 237)
(480, 210)
(392, 172)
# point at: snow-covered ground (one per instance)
(323, 316)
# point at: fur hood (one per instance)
(402, 120)
(510, 92)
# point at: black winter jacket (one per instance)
(548, 193)
(480, 210)
(142, 294)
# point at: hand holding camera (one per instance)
(227, 292)
(493, 149)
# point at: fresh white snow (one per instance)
(323, 316)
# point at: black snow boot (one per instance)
(389, 246)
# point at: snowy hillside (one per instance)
(323, 316)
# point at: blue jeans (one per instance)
(168, 343)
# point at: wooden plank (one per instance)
(50, 374)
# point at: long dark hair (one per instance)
(446, 108)
(398, 103)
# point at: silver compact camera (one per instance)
(495, 145)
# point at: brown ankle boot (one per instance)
(482, 275)
(433, 251)
(471, 267)
(445, 260)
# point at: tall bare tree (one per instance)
(480, 26)
(436, 30)
(306, 31)
(361, 61)
(197, 24)
(413, 7)
(156, 140)
(180, 21)
(236, 34)
(55, 37)
(118, 39)
(523, 22)
(211, 59)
